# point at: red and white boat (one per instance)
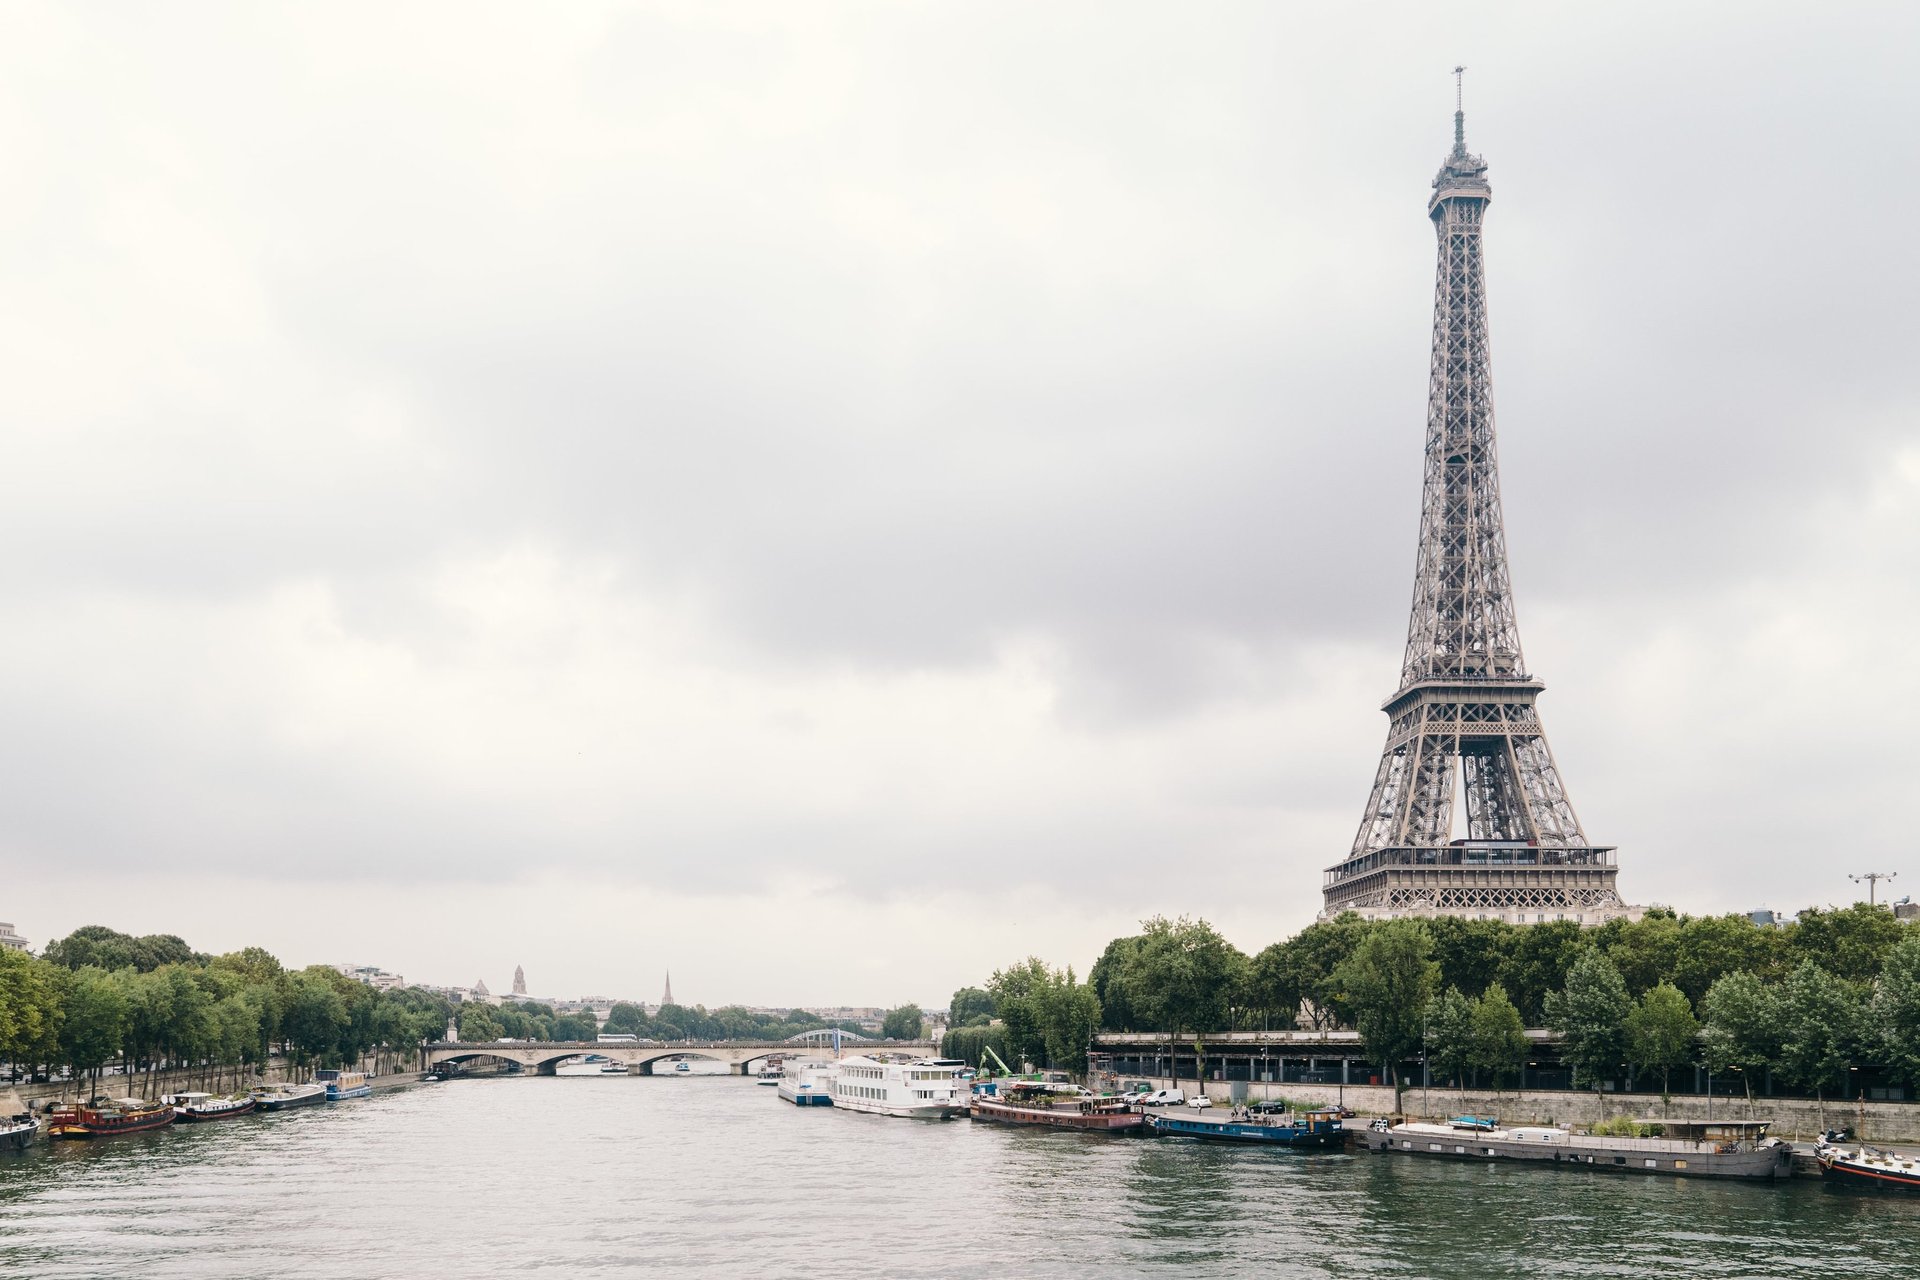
(105, 1118)
(1057, 1106)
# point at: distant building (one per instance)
(1905, 909)
(1767, 919)
(377, 978)
(667, 997)
(9, 938)
(519, 981)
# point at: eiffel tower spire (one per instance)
(1464, 718)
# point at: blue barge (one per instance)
(1310, 1130)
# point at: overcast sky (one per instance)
(832, 499)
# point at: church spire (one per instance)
(666, 997)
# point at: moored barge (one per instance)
(1056, 1106)
(1867, 1168)
(105, 1119)
(1686, 1148)
(195, 1108)
(284, 1097)
(342, 1085)
(1318, 1129)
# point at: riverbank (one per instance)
(1795, 1119)
(39, 1097)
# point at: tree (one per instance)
(1107, 980)
(1645, 951)
(314, 1019)
(29, 1009)
(627, 1019)
(1449, 1036)
(1500, 1044)
(1851, 943)
(969, 1044)
(1069, 1015)
(576, 1026)
(1662, 1032)
(1711, 947)
(903, 1023)
(93, 1025)
(1820, 1025)
(969, 1007)
(1896, 1009)
(1312, 958)
(1591, 1016)
(1180, 978)
(1387, 982)
(1742, 1027)
(109, 949)
(1470, 953)
(478, 1025)
(1542, 956)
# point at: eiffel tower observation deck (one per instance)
(1464, 719)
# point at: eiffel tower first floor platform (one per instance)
(1484, 880)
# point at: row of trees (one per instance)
(1836, 988)
(100, 997)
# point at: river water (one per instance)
(620, 1176)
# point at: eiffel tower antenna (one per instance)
(1464, 719)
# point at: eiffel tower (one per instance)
(1464, 718)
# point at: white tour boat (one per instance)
(808, 1084)
(917, 1088)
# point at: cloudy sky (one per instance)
(834, 498)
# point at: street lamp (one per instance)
(1873, 879)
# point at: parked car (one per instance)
(1161, 1098)
(1199, 1100)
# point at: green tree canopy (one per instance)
(1742, 1030)
(1449, 1034)
(1821, 1019)
(1896, 1009)
(1661, 1032)
(1388, 981)
(968, 1007)
(1849, 943)
(906, 1022)
(1590, 1014)
(1500, 1044)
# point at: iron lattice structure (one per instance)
(1464, 718)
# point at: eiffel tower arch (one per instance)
(1464, 724)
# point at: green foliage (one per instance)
(1851, 943)
(1896, 1009)
(1742, 1030)
(1661, 1032)
(1106, 979)
(1180, 975)
(1471, 953)
(626, 1019)
(575, 1026)
(1626, 1127)
(1542, 957)
(968, 1006)
(1499, 1043)
(478, 1025)
(30, 1009)
(1449, 1034)
(969, 1044)
(1590, 1014)
(1821, 1021)
(1388, 981)
(1711, 947)
(1645, 951)
(904, 1023)
(95, 1016)
(103, 948)
(1046, 1015)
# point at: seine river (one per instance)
(617, 1176)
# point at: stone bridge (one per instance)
(741, 1056)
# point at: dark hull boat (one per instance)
(198, 1108)
(1869, 1168)
(288, 1097)
(1316, 1130)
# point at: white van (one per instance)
(1159, 1098)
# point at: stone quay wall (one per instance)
(1796, 1119)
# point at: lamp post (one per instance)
(1873, 879)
